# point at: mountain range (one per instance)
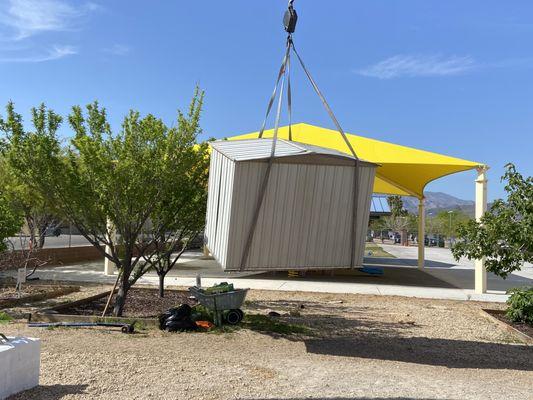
(438, 201)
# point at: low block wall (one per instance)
(66, 255)
(19, 365)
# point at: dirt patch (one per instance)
(31, 292)
(9, 292)
(141, 303)
(359, 347)
(21, 310)
(519, 326)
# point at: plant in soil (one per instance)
(520, 305)
(504, 235)
(201, 313)
(4, 318)
(110, 185)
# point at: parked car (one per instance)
(430, 241)
(437, 240)
(397, 238)
(56, 231)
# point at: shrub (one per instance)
(520, 305)
(4, 318)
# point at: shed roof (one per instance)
(402, 170)
(258, 149)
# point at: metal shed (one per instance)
(306, 219)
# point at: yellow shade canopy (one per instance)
(402, 170)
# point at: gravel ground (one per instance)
(360, 347)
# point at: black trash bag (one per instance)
(182, 311)
(185, 324)
(177, 319)
(163, 319)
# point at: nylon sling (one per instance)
(285, 72)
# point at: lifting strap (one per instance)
(325, 103)
(290, 19)
(264, 183)
(289, 93)
(273, 96)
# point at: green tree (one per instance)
(412, 223)
(37, 215)
(179, 219)
(10, 222)
(122, 178)
(398, 219)
(396, 206)
(504, 235)
(434, 225)
(450, 220)
(379, 225)
(396, 223)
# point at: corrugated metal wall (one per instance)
(305, 220)
(220, 191)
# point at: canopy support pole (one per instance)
(109, 266)
(481, 206)
(421, 232)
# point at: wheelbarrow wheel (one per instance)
(127, 329)
(233, 317)
(241, 313)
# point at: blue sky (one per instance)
(454, 77)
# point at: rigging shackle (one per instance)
(290, 18)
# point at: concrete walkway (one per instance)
(442, 279)
(441, 264)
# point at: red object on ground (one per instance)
(204, 324)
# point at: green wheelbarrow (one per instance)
(226, 307)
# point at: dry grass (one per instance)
(376, 251)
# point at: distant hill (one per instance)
(438, 201)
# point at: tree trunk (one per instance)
(120, 299)
(403, 237)
(161, 285)
(31, 231)
(42, 238)
(124, 286)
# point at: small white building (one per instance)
(314, 213)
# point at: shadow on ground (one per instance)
(401, 262)
(351, 331)
(49, 392)
(391, 276)
(429, 351)
(394, 274)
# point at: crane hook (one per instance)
(290, 18)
